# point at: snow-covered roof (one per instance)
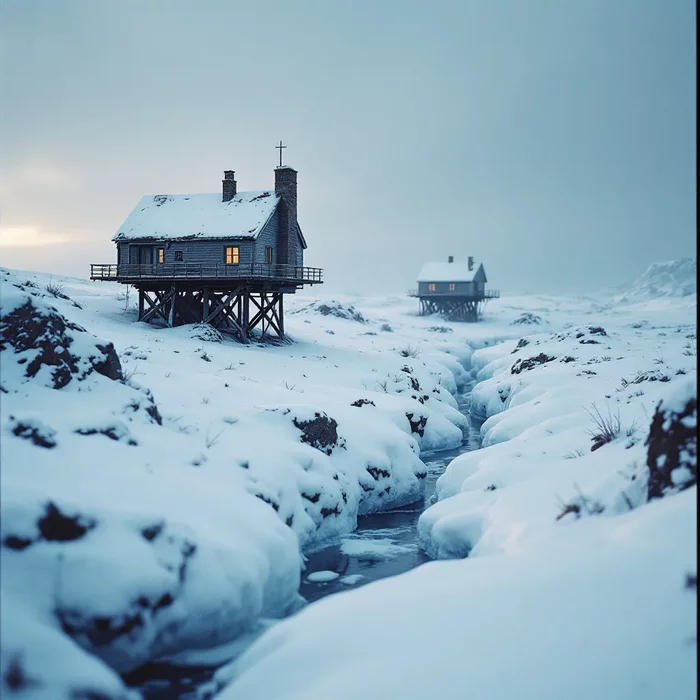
(447, 272)
(165, 216)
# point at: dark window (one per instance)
(232, 255)
(268, 255)
(179, 256)
(161, 255)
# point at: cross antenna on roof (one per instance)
(280, 149)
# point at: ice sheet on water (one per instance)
(361, 548)
(322, 576)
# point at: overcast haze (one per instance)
(552, 140)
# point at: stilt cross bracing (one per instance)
(453, 309)
(243, 311)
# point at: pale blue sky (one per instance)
(552, 139)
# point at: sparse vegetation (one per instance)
(410, 351)
(581, 505)
(55, 289)
(211, 440)
(606, 427)
(130, 373)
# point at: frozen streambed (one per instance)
(384, 544)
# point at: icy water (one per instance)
(384, 544)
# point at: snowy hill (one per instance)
(676, 278)
(161, 486)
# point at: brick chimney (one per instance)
(470, 263)
(229, 186)
(450, 258)
(287, 239)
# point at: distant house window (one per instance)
(268, 255)
(453, 286)
(179, 256)
(161, 255)
(232, 255)
(432, 287)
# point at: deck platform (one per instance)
(284, 275)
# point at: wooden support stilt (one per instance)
(228, 309)
(171, 310)
(459, 309)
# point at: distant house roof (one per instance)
(178, 216)
(451, 272)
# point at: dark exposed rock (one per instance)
(16, 542)
(417, 424)
(363, 402)
(152, 531)
(55, 526)
(672, 449)
(523, 342)
(113, 432)
(530, 363)
(99, 631)
(377, 472)
(269, 500)
(16, 678)
(320, 432)
(35, 431)
(48, 332)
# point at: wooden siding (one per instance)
(267, 238)
(194, 251)
(461, 288)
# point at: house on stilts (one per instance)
(454, 289)
(226, 259)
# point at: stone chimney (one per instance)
(470, 263)
(287, 239)
(450, 258)
(229, 186)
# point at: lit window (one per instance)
(161, 255)
(452, 286)
(432, 287)
(268, 255)
(179, 256)
(232, 255)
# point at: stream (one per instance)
(384, 544)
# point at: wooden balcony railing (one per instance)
(127, 272)
(486, 294)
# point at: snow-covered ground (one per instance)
(160, 485)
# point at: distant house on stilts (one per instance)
(454, 289)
